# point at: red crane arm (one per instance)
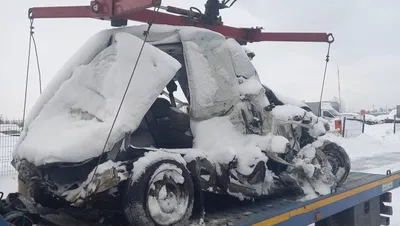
(137, 10)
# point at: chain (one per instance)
(146, 34)
(31, 40)
(323, 80)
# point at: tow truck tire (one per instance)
(163, 195)
(339, 160)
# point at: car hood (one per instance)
(72, 118)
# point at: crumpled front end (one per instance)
(106, 176)
(69, 184)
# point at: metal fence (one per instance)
(353, 127)
(9, 134)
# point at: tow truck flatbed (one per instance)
(359, 189)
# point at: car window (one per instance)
(327, 114)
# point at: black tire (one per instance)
(338, 158)
(138, 194)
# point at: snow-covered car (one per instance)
(382, 118)
(235, 138)
(371, 119)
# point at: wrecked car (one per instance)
(226, 132)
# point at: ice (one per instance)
(82, 101)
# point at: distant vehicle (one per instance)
(328, 111)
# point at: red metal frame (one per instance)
(137, 10)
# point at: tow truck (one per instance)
(360, 200)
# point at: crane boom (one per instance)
(120, 11)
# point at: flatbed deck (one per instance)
(359, 187)
(289, 210)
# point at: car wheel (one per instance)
(339, 161)
(163, 195)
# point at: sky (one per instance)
(366, 48)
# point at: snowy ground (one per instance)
(374, 152)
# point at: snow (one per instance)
(318, 177)
(82, 101)
(8, 184)
(167, 207)
(241, 62)
(382, 117)
(250, 86)
(7, 143)
(286, 114)
(222, 143)
(377, 140)
(98, 74)
(89, 185)
(392, 113)
(374, 152)
(150, 158)
(278, 144)
(208, 62)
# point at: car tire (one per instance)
(142, 201)
(339, 160)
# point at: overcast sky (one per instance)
(366, 48)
